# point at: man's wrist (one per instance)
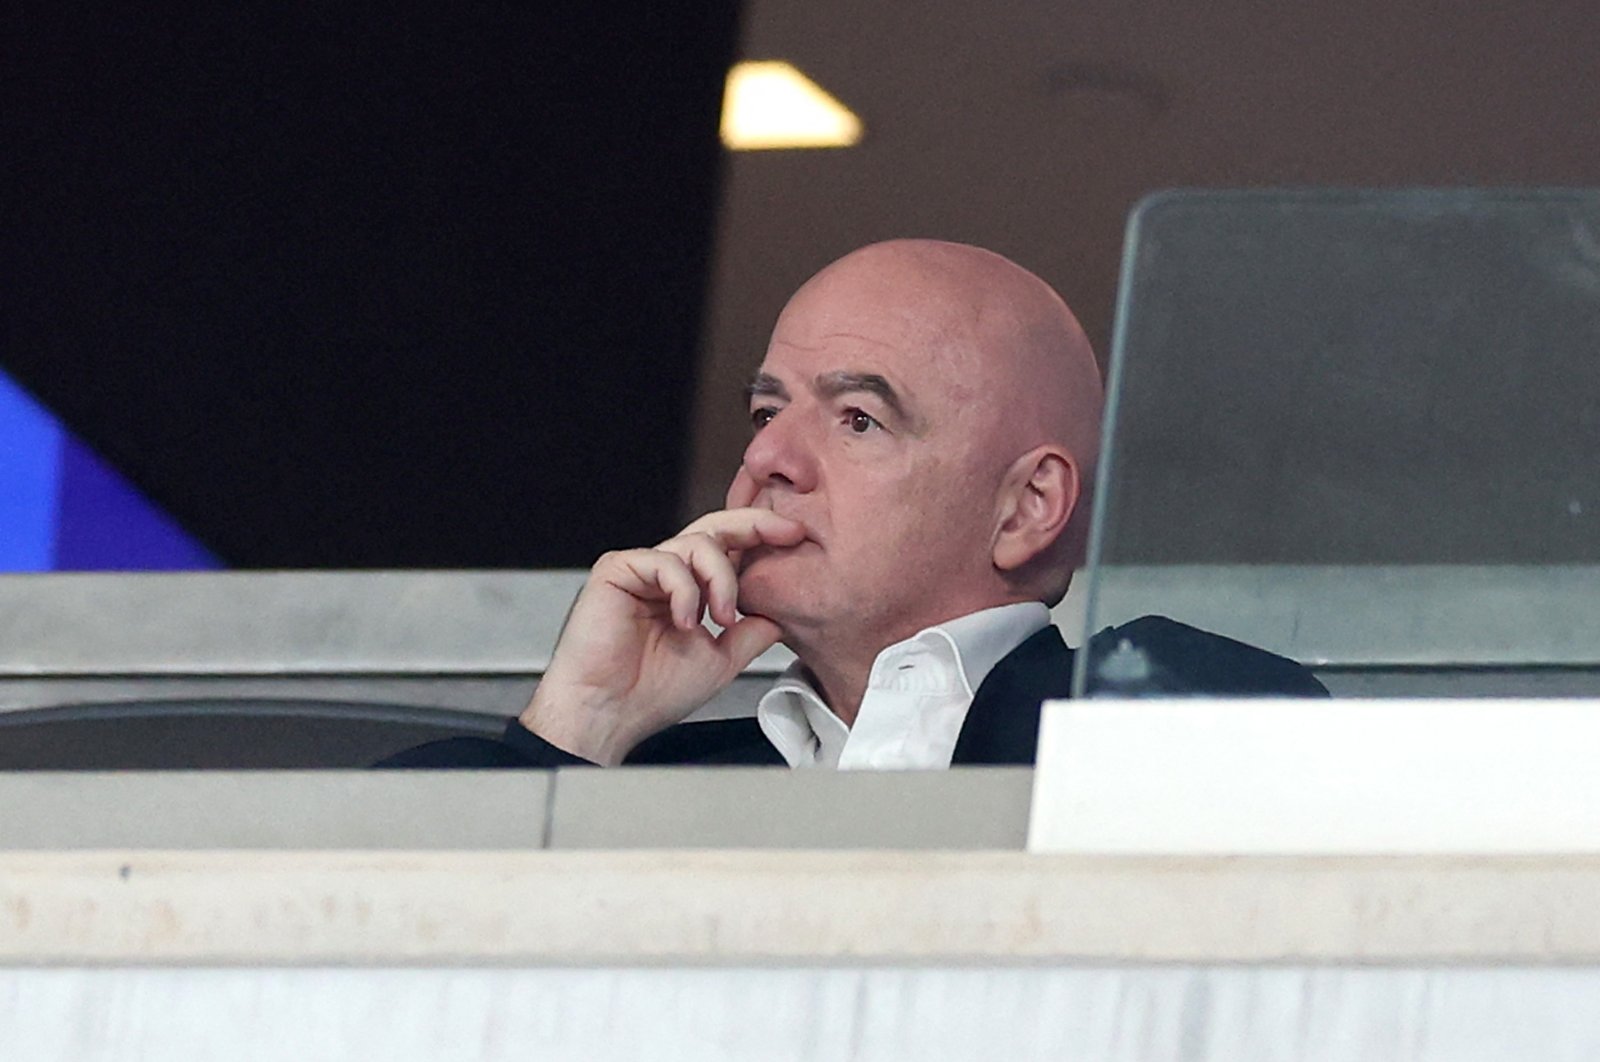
(576, 726)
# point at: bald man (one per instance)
(913, 499)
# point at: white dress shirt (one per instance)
(916, 700)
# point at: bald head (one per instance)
(1014, 361)
(1003, 333)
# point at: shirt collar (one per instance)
(806, 731)
(982, 639)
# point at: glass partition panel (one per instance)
(1355, 427)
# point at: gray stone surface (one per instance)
(447, 623)
(753, 807)
(276, 809)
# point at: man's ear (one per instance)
(1040, 491)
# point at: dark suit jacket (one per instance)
(1001, 728)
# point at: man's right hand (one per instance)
(634, 657)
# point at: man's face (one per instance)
(870, 430)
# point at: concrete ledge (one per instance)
(501, 623)
(762, 807)
(641, 908)
(266, 623)
(582, 808)
(71, 810)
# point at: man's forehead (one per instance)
(898, 401)
(776, 379)
(897, 358)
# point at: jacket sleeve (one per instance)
(517, 746)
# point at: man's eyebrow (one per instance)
(766, 384)
(834, 384)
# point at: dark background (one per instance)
(420, 286)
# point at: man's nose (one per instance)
(783, 454)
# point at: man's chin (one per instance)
(773, 585)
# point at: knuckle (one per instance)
(620, 558)
(696, 547)
(617, 562)
(607, 561)
(674, 548)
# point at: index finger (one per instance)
(742, 491)
(747, 528)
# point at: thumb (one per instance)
(747, 639)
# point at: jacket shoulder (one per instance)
(1175, 658)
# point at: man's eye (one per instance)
(760, 417)
(860, 422)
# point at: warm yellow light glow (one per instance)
(773, 105)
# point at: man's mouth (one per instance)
(764, 501)
(755, 553)
(811, 535)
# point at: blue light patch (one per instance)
(30, 457)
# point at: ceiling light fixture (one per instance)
(770, 105)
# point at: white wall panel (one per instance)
(1208, 1014)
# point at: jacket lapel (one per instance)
(1002, 726)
